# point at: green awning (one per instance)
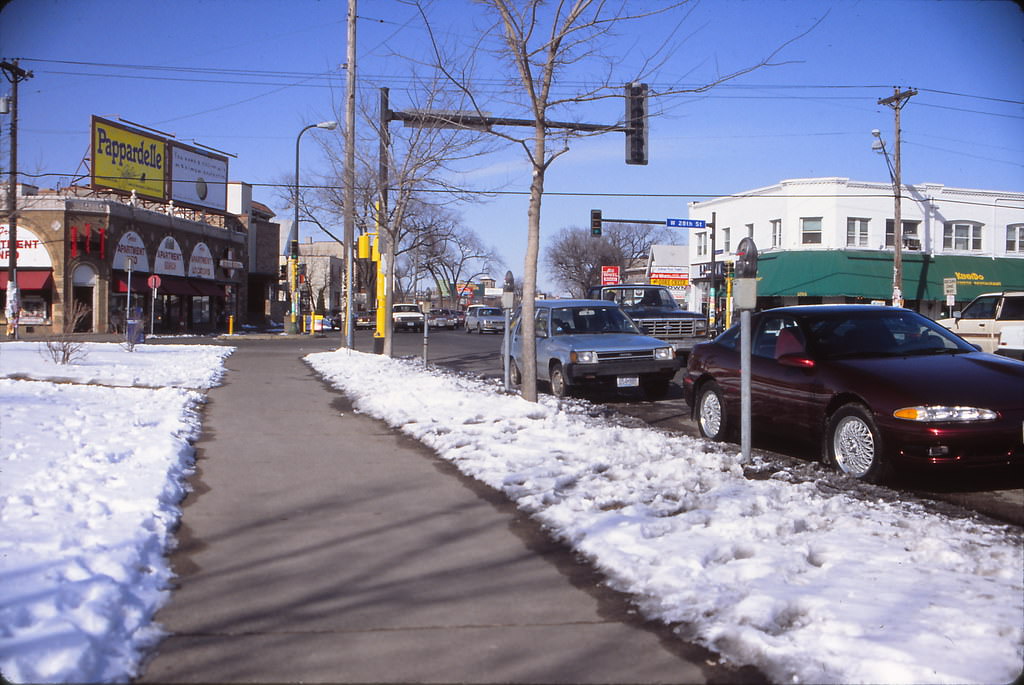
(832, 273)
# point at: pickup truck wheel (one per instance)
(711, 418)
(559, 387)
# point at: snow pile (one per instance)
(806, 582)
(90, 481)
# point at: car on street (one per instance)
(485, 319)
(655, 312)
(592, 344)
(1011, 342)
(366, 319)
(406, 317)
(981, 321)
(442, 318)
(879, 389)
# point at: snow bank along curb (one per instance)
(91, 477)
(806, 585)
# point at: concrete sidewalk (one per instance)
(320, 546)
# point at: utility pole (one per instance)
(350, 174)
(14, 74)
(897, 100)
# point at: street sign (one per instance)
(949, 286)
(685, 223)
(153, 281)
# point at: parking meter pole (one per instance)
(152, 313)
(426, 338)
(506, 347)
(745, 384)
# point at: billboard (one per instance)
(126, 159)
(198, 178)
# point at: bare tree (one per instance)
(456, 256)
(544, 44)
(64, 348)
(575, 259)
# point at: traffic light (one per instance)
(283, 276)
(595, 222)
(636, 123)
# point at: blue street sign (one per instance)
(685, 223)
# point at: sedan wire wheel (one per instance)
(710, 415)
(853, 446)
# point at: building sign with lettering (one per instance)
(31, 251)
(198, 178)
(127, 159)
(200, 264)
(131, 245)
(169, 259)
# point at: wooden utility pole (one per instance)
(350, 176)
(14, 74)
(897, 100)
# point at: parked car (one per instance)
(460, 318)
(485, 319)
(878, 388)
(982, 320)
(592, 343)
(406, 317)
(442, 318)
(655, 311)
(366, 319)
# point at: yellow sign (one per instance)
(126, 159)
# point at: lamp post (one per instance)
(897, 223)
(293, 242)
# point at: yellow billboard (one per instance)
(127, 159)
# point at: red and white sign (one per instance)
(169, 259)
(678, 277)
(153, 281)
(131, 246)
(609, 275)
(31, 251)
(200, 264)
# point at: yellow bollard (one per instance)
(231, 324)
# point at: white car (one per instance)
(406, 317)
(1011, 342)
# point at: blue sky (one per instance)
(809, 116)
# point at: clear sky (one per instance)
(246, 76)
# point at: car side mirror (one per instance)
(957, 315)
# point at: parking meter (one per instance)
(508, 299)
(746, 299)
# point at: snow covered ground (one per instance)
(91, 474)
(806, 582)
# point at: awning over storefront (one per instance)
(169, 285)
(831, 273)
(207, 288)
(29, 280)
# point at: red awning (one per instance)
(208, 288)
(120, 284)
(29, 280)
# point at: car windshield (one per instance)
(407, 308)
(489, 311)
(630, 298)
(576, 320)
(896, 333)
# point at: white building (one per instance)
(830, 240)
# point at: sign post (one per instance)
(154, 283)
(508, 299)
(949, 289)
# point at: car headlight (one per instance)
(588, 357)
(937, 414)
(664, 353)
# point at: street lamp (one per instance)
(293, 242)
(897, 224)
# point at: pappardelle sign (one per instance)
(127, 159)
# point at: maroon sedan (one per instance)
(878, 388)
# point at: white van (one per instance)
(981, 322)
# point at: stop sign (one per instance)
(153, 281)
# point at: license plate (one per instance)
(627, 381)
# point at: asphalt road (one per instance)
(997, 493)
